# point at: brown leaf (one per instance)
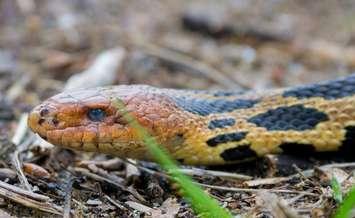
(35, 170)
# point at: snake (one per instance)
(203, 127)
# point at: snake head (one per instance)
(88, 120)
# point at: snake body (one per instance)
(203, 127)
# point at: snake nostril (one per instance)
(44, 112)
(41, 121)
(55, 122)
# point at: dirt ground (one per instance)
(229, 44)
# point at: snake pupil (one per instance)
(96, 114)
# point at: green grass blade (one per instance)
(347, 206)
(201, 203)
(336, 187)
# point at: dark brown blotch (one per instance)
(225, 138)
(297, 149)
(238, 153)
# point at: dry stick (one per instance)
(140, 207)
(85, 172)
(266, 181)
(150, 171)
(193, 171)
(115, 203)
(202, 172)
(305, 174)
(110, 164)
(294, 199)
(80, 205)
(16, 139)
(255, 190)
(26, 193)
(101, 172)
(309, 173)
(188, 63)
(29, 202)
(229, 188)
(21, 130)
(18, 165)
(67, 201)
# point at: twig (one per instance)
(294, 199)
(266, 181)
(17, 163)
(194, 171)
(20, 173)
(115, 203)
(85, 172)
(110, 164)
(26, 193)
(21, 130)
(202, 172)
(17, 139)
(101, 172)
(150, 171)
(233, 189)
(80, 205)
(29, 202)
(255, 190)
(139, 207)
(338, 165)
(67, 201)
(309, 173)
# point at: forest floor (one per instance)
(230, 44)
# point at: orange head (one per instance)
(88, 120)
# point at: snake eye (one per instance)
(96, 114)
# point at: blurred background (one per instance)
(226, 44)
(182, 44)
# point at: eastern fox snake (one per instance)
(203, 127)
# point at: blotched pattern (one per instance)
(328, 90)
(206, 107)
(221, 123)
(203, 127)
(295, 117)
(224, 138)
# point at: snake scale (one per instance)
(203, 127)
